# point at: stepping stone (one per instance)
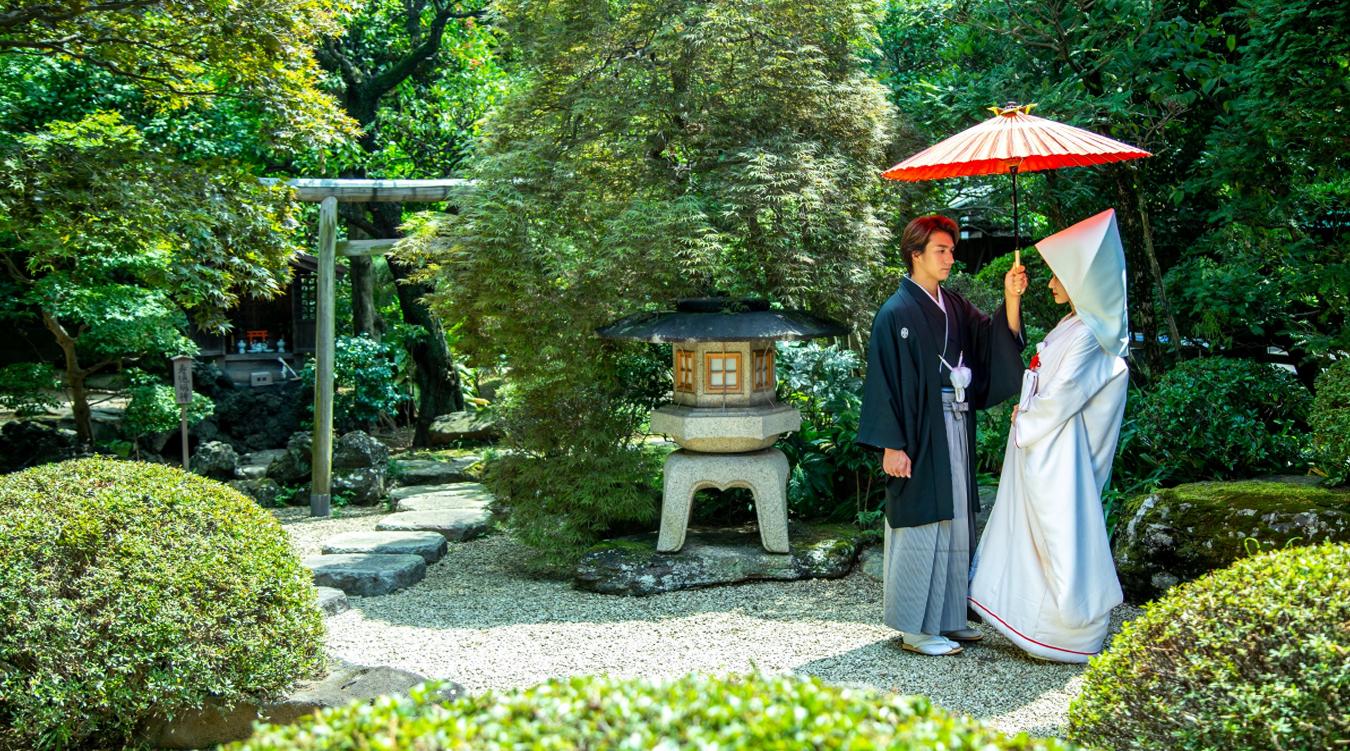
(455, 524)
(367, 574)
(432, 471)
(429, 545)
(332, 601)
(468, 495)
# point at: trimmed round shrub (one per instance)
(130, 592)
(1331, 421)
(738, 712)
(1254, 656)
(1218, 418)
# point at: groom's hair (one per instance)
(914, 239)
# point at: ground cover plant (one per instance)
(738, 712)
(132, 591)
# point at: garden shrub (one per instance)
(745, 712)
(1218, 418)
(132, 591)
(365, 380)
(1331, 422)
(154, 409)
(1254, 656)
(833, 477)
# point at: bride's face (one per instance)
(1057, 289)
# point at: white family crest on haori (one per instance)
(1043, 575)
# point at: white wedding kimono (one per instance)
(1043, 574)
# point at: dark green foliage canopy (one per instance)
(652, 150)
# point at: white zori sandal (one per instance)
(930, 644)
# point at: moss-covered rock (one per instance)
(130, 592)
(1181, 533)
(749, 712)
(1252, 657)
(632, 565)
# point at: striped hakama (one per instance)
(927, 568)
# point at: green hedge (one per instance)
(745, 712)
(1255, 656)
(130, 592)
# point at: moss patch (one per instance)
(1181, 533)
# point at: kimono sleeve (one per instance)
(1064, 394)
(881, 424)
(998, 352)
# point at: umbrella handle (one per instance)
(1017, 240)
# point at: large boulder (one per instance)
(262, 417)
(215, 459)
(293, 466)
(632, 565)
(464, 426)
(1182, 533)
(266, 492)
(357, 450)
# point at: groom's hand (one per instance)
(1015, 282)
(895, 463)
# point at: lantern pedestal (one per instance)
(764, 472)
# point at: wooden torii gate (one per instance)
(328, 194)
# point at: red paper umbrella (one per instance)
(1012, 141)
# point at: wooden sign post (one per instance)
(182, 393)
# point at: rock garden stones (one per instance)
(367, 574)
(215, 459)
(1181, 533)
(332, 601)
(359, 466)
(465, 495)
(464, 426)
(431, 546)
(433, 471)
(632, 565)
(455, 525)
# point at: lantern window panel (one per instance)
(763, 370)
(684, 370)
(723, 371)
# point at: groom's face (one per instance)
(936, 260)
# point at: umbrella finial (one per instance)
(1012, 108)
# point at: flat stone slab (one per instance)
(464, 495)
(455, 525)
(429, 545)
(215, 724)
(433, 471)
(367, 574)
(333, 601)
(632, 566)
(253, 466)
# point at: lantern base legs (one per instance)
(764, 472)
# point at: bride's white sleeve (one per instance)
(1060, 397)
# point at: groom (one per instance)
(931, 358)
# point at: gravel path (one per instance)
(477, 621)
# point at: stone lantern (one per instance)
(725, 413)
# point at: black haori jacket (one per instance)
(902, 396)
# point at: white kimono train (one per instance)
(1043, 574)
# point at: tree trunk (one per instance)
(436, 377)
(364, 315)
(75, 376)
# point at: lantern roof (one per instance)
(721, 319)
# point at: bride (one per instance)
(1043, 575)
